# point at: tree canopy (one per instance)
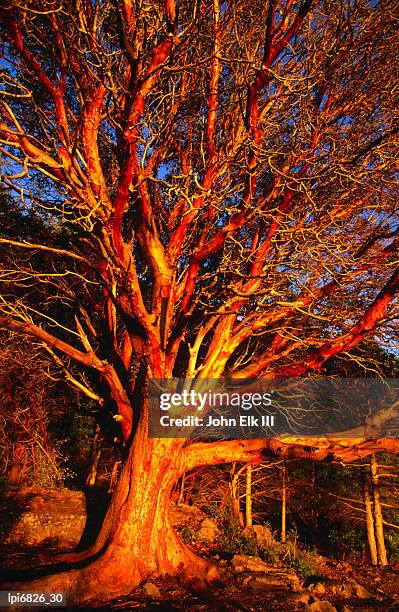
(233, 199)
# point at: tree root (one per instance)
(111, 576)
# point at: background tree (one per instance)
(31, 408)
(224, 181)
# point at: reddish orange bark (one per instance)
(216, 168)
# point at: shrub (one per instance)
(269, 555)
(305, 564)
(233, 540)
(187, 534)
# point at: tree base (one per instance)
(115, 574)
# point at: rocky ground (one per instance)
(282, 580)
(354, 589)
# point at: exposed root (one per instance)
(73, 557)
(81, 586)
(114, 574)
(197, 572)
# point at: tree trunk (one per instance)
(181, 491)
(137, 539)
(369, 518)
(284, 507)
(95, 457)
(378, 520)
(248, 497)
(114, 476)
(314, 519)
(235, 495)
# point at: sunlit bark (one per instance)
(227, 176)
(369, 518)
(248, 496)
(235, 494)
(378, 519)
(284, 505)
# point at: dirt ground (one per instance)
(230, 596)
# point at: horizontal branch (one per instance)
(30, 329)
(42, 247)
(315, 449)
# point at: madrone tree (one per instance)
(220, 177)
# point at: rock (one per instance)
(342, 589)
(346, 590)
(268, 583)
(182, 515)
(261, 577)
(151, 589)
(359, 591)
(208, 530)
(246, 580)
(246, 563)
(262, 533)
(299, 598)
(322, 606)
(344, 566)
(39, 517)
(318, 588)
